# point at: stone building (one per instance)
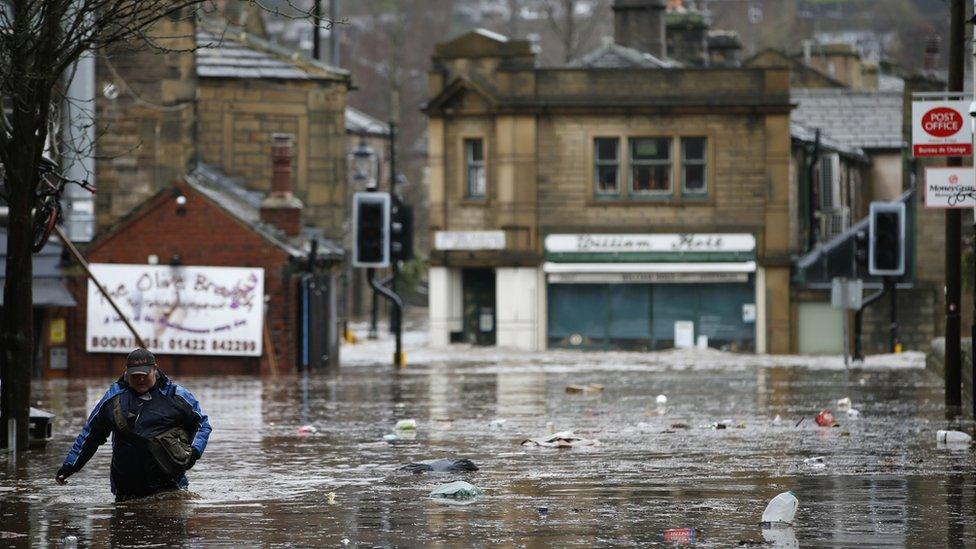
(217, 101)
(624, 201)
(863, 119)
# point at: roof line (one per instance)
(299, 59)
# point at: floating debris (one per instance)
(456, 490)
(441, 466)
(406, 425)
(562, 439)
(581, 389)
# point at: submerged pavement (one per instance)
(882, 481)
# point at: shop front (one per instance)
(652, 291)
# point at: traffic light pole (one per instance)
(395, 313)
(953, 229)
(972, 341)
(893, 326)
(397, 305)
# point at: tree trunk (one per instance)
(16, 358)
(23, 148)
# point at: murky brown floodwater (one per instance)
(261, 484)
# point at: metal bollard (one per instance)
(12, 436)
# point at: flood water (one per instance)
(260, 483)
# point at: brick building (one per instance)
(623, 201)
(171, 236)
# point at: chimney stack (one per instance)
(933, 44)
(639, 24)
(281, 208)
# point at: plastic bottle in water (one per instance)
(952, 437)
(781, 509)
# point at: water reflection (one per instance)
(262, 483)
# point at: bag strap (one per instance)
(120, 420)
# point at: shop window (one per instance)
(474, 158)
(650, 166)
(606, 166)
(694, 166)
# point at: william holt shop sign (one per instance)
(939, 129)
(631, 243)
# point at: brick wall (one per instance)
(237, 118)
(157, 229)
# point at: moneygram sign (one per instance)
(939, 129)
(952, 187)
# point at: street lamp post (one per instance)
(364, 168)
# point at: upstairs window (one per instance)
(606, 166)
(474, 159)
(650, 166)
(694, 166)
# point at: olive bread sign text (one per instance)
(177, 310)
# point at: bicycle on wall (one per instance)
(47, 212)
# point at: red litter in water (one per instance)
(825, 418)
(307, 430)
(679, 535)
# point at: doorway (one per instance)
(478, 291)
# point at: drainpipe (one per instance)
(813, 232)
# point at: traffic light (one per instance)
(861, 248)
(886, 256)
(371, 228)
(401, 232)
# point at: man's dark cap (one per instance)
(139, 361)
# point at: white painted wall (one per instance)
(517, 295)
(760, 311)
(444, 304)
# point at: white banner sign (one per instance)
(636, 243)
(939, 128)
(950, 187)
(469, 240)
(177, 310)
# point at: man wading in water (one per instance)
(153, 422)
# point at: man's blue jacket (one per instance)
(135, 472)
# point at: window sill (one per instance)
(475, 202)
(669, 202)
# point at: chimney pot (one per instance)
(933, 44)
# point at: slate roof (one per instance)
(360, 123)
(864, 119)
(244, 204)
(802, 133)
(48, 289)
(615, 56)
(229, 52)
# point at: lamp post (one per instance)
(364, 170)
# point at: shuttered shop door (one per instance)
(642, 316)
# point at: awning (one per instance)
(645, 273)
(48, 292)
